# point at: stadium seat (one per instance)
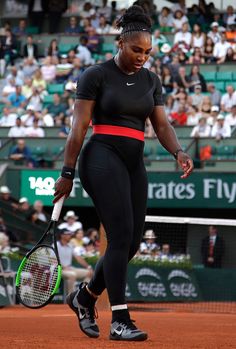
(224, 76)
(107, 47)
(48, 99)
(147, 151)
(223, 152)
(65, 48)
(210, 75)
(234, 76)
(55, 88)
(162, 154)
(32, 30)
(220, 85)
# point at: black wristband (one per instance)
(68, 172)
(177, 152)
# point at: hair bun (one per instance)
(134, 14)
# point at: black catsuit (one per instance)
(111, 167)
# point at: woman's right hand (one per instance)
(63, 187)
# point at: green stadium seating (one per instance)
(160, 153)
(48, 99)
(234, 76)
(32, 30)
(39, 152)
(65, 48)
(223, 152)
(220, 85)
(210, 75)
(55, 88)
(224, 76)
(107, 47)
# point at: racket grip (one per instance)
(57, 209)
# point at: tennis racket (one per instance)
(39, 274)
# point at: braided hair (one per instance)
(134, 20)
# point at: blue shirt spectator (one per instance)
(16, 99)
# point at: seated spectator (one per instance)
(165, 18)
(90, 250)
(74, 27)
(230, 56)
(35, 130)
(228, 99)
(197, 96)
(29, 67)
(92, 236)
(215, 110)
(12, 235)
(38, 214)
(5, 196)
(27, 87)
(196, 78)
(169, 104)
(205, 108)
(71, 222)
(71, 56)
(53, 50)
(10, 46)
(38, 81)
(220, 49)
(179, 19)
(182, 80)
(181, 52)
(230, 118)
(67, 253)
(193, 116)
(94, 40)
(4, 243)
(104, 27)
(87, 10)
(77, 70)
(214, 33)
(179, 117)
(220, 129)
(8, 117)
(36, 99)
(21, 154)
(20, 29)
(83, 53)
(180, 5)
(208, 50)
(16, 74)
(57, 109)
(105, 10)
(24, 207)
(63, 69)
(66, 126)
(17, 100)
(167, 54)
(229, 18)
(167, 79)
(18, 130)
(48, 70)
(197, 57)
(28, 118)
(149, 246)
(8, 89)
(78, 239)
(30, 49)
(198, 38)
(158, 40)
(165, 252)
(215, 94)
(174, 66)
(202, 129)
(180, 97)
(183, 36)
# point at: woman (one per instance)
(198, 37)
(196, 78)
(53, 50)
(167, 79)
(120, 94)
(196, 57)
(208, 50)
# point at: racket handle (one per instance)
(57, 209)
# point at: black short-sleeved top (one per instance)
(121, 99)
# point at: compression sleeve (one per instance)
(89, 83)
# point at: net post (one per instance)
(103, 302)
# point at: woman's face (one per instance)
(195, 69)
(135, 51)
(196, 28)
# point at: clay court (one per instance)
(55, 327)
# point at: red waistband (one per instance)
(118, 131)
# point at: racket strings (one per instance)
(38, 277)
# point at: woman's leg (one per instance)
(106, 179)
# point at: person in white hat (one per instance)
(71, 222)
(214, 32)
(221, 129)
(149, 246)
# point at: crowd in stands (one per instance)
(38, 91)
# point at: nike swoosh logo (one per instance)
(130, 84)
(118, 332)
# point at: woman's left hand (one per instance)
(186, 164)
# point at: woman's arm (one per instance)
(167, 137)
(81, 119)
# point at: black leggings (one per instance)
(118, 187)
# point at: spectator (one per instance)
(65, 129)
(197, 57)
(18, 130)
(38, 81)
(179, 19)
(21, 29)
(196, 78)
(66, 253)
(27, 88)
(30, 49)
(165, 18)
(16, 74)
(21, 154)
(214, 33)
(53, 50)
(104, 27)
(167, 79)
(105, 11)
(16, 99)
(167, 54)
(63, 69)
(220, 129)
(24, 208)
(38, 214)
(215, 110)
(202, 129)
(149, 246)
(169, 103)
(83, 53)
(165, 252)
(94, 41)
(228, 99)
(230, 56)
(92, 237)
(179, 117)
(48, 70)
(10, 47)
(229, 18)
(4, 243)
(182, 80)
(180, 5)
(57, 109)
(74, 27)
(28, 118)
(230, 118)
(193, 116)
(71, 222)
(220, 49)
(198, 38)
(205, 108)
(2, 60)
(29, 67)
(35, 130)
(183, 37)
(215, 94)
(197, 96)
(208, 50)
(77, 70)
(8, 118)
(5, 195)
(9, 88)
(212, 249)
(78, 239)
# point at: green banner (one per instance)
(161, 285)
(203, 190)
